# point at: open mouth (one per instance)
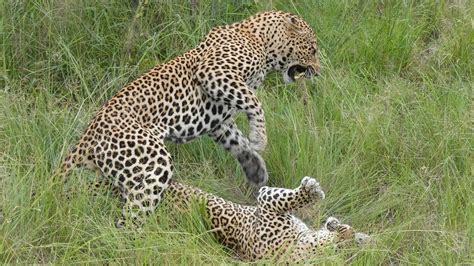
(297, 71)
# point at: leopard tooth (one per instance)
(300, 75)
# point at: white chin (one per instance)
(286, 77)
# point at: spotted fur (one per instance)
(268, 230)
(195, 94)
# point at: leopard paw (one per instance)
(331, 223)
(345, 231)
(363, 239)
(254, 167)
(311, 186)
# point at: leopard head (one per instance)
(301, 51)
(290, 43)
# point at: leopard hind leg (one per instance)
(141, 169)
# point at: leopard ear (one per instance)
(292, 25)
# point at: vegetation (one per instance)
(387, 128)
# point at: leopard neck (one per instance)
(267, 27)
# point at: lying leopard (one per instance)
(197, 93)
(269, 230)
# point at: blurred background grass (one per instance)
(387, 128)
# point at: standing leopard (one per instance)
(268, 230)
(195, 94)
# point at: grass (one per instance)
(387, 128)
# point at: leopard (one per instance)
(269, 230)
(197, 93)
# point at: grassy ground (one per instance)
(387, 128)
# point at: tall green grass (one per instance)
(387, 128)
